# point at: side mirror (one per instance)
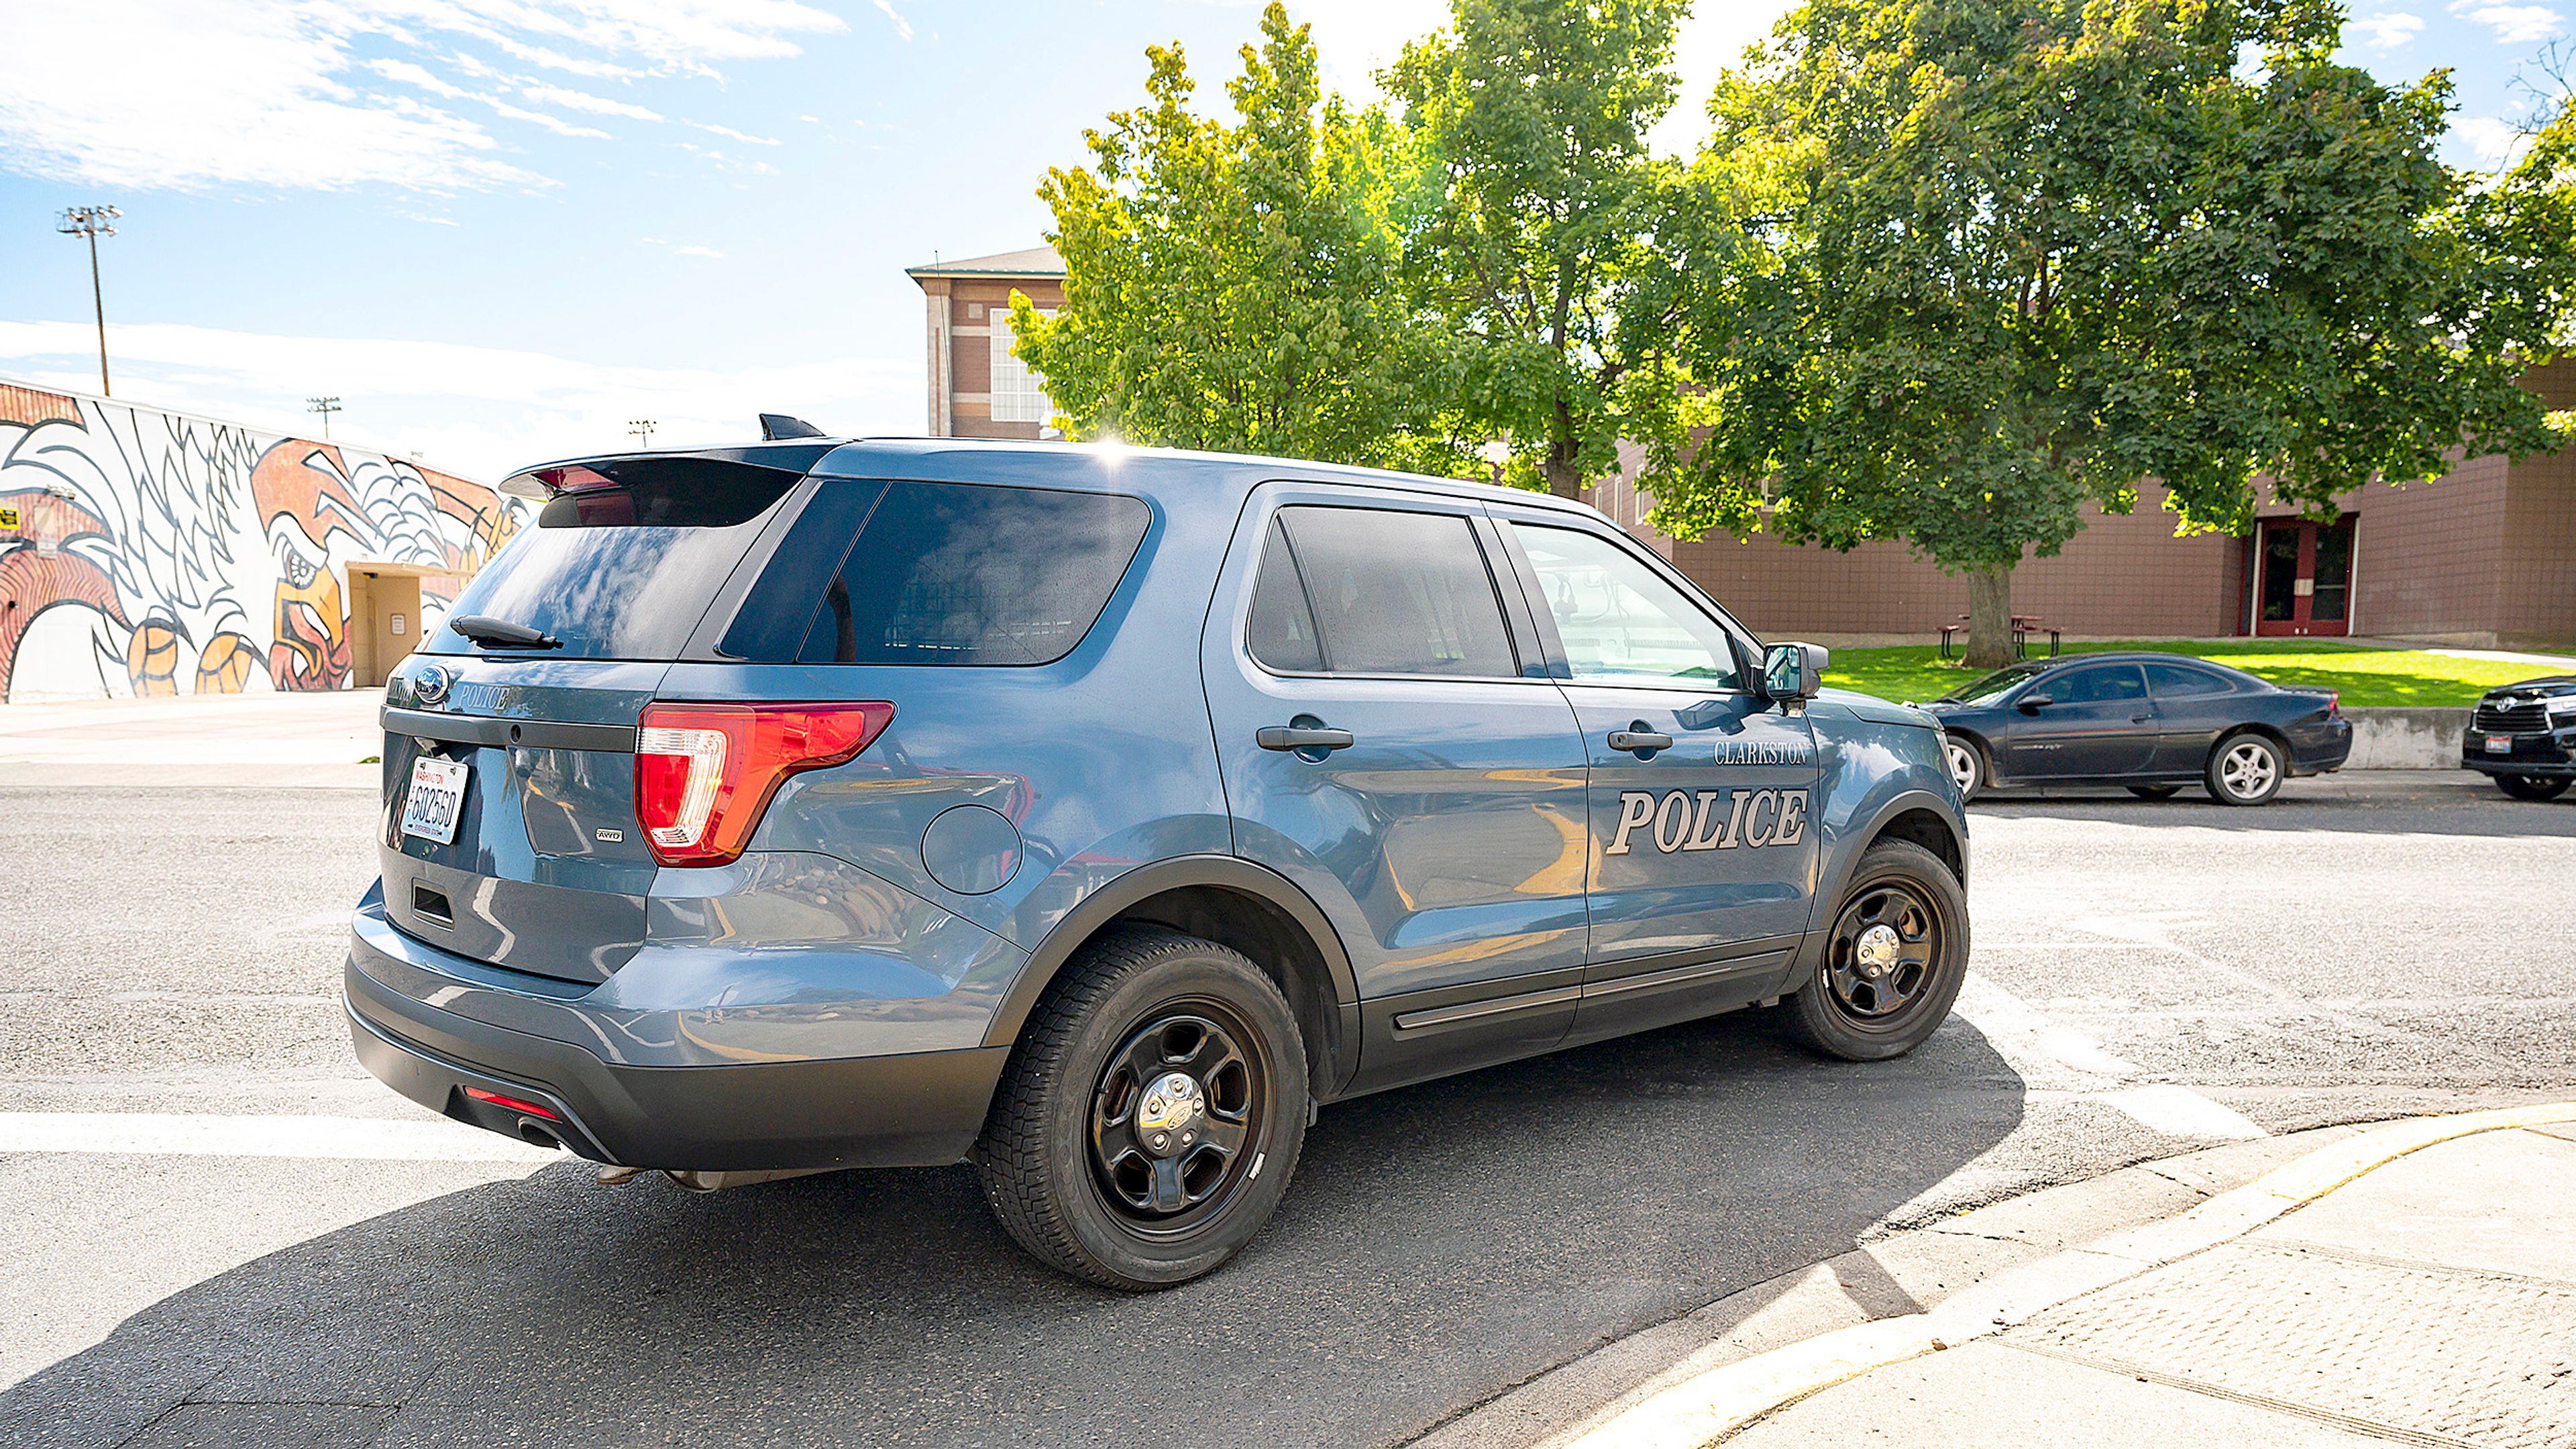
(1793, 671)
(2034, 703)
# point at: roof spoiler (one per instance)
(695, 468)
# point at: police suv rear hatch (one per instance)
(509, 832)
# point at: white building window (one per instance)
(1019, 394)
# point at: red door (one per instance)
(2303, 577)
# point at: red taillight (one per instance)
(511, 1103)
(704, 772)
(2334, 697)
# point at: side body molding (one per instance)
(1336, 1059)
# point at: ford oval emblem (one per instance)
(430, 686)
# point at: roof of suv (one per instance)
(1170, 475)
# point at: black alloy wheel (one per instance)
(1174, 1111)
(2532, 787)
(1893, 961)
(2155, 792)
(1151, 1114)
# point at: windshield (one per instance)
(1991, 688)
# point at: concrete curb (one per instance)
(1707, 1406)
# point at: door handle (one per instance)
(1298, 737)
(1639, 739)
(2140, 718)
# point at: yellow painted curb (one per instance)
(1706, 1406)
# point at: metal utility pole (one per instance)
(326, 406)
(642, 429)
(93, 222)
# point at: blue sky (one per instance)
(500, 229)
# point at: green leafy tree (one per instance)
(1987, 261)
(1535, 113)
(1234, 286)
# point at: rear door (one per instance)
(2098, 722)
(1703, 857)
(1384, 747)
(546, 871)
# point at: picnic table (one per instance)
(2022, 626)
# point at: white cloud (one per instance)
(272, 92)
(734, 134)
(699, 252)
(902, 27)
(2513, 24)
(479, 411)
(2388, 32)
(2491, 143)
(572, 100)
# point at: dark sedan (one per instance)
(2524, 737)
(2151, 722)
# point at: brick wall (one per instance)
(971, 303)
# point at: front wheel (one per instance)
(2532, 787)
(1893, 962)
(2246, 770)
(1967, 766)
(1151, 1114)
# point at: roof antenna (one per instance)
(775, 426)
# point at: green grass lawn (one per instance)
(2367, 677)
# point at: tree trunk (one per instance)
(1563, 479)
(1990, 618)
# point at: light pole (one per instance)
(326, 406)
(642, 431)
(93, 222)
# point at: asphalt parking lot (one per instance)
(2149, 978)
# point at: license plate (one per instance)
(437, 798)
(2499, 744)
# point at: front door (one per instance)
(1383, 748)
(1703, 854)
(2303, 577)
(2084, 723)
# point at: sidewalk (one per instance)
(2392, 1287)
(264, 739)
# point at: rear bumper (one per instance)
(919, 1109)
(2321, 747)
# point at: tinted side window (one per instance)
(939, 573)
(1399, 593)
(2098, 686)
(1619, 619)
(1283, 626)
(2181, 681)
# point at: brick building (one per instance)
(978, 389)
(2483, 557)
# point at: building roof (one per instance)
(1028, 262)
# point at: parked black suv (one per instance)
(2524, 735)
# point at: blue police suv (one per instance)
(1091, 814)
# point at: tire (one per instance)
(2155, 792)
(2532, 787)
(1967, 765)
(1071, 1160)
(2246, 769)
(1849, 1010)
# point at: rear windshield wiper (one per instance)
(494, 633)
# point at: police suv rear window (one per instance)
(624, 568)
(911, 572)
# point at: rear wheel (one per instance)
(2246, 770)
(2154, 792)
(1967, 765)
(2532, 787)
(1893, 962)
(1151, 1114)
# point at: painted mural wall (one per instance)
(149, 552)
